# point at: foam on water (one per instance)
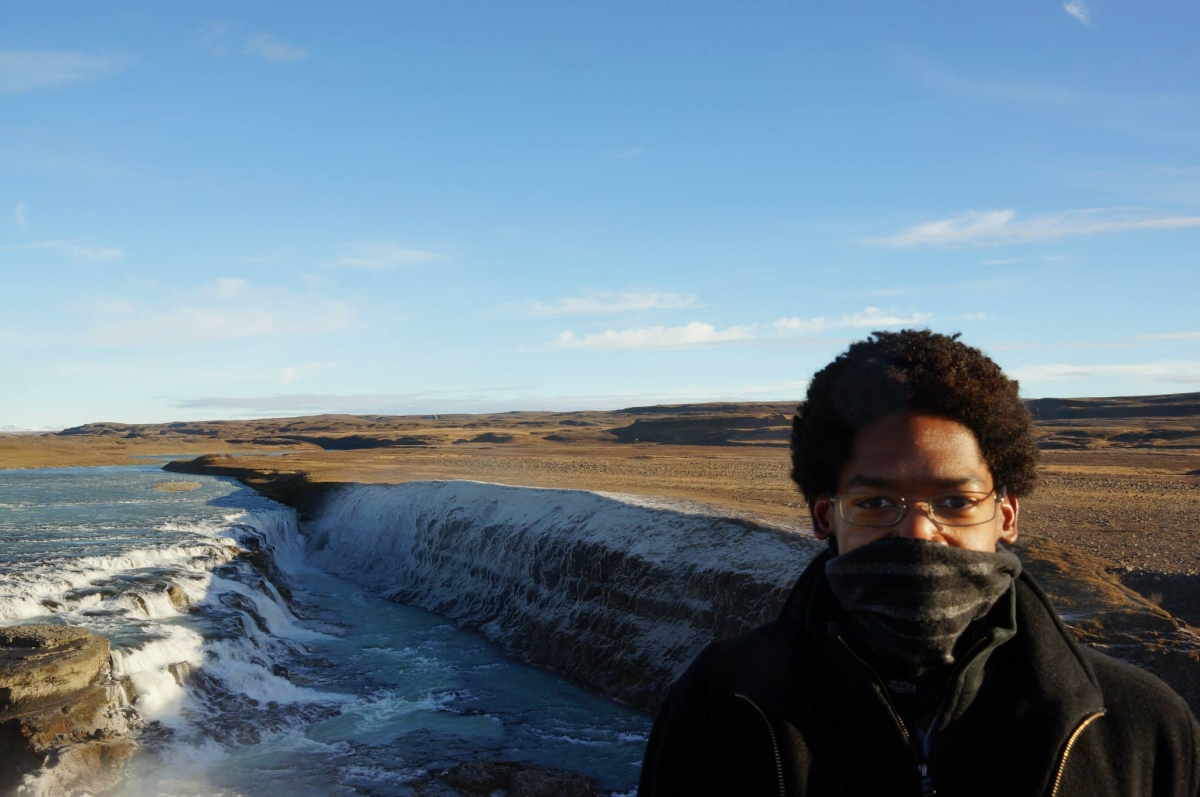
(333, 691)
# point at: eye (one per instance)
(871, 502)
(955, 501)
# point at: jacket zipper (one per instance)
(922, 764)
(963, 661)
(1062, 762)
(774, 743)
(887, 697)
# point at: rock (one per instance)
(87, 767)
(178, 597)
(517, 779)
(40, 663)
(62, 716)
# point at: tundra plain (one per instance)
(1112, 531)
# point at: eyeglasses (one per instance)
(948, 509)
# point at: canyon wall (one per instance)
(616, 592)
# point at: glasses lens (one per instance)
(948, 509)
(963, 509)
(871, 510)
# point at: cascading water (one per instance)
(616, 591)
(328, 690)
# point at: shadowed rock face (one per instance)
(516, 779)
(62, 724)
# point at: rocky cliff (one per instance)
(63, 724)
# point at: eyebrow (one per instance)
(876, 481)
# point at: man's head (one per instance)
(913, 414)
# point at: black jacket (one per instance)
(789, 709)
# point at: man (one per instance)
(914, 657)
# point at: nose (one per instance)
(918, 523)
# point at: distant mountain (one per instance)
(1174, 405)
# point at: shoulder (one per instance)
(1148, 733)
(1132, 695)
(722, 664)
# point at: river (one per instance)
(247, 693)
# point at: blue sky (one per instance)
(229, 210)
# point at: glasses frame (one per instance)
(905, 503)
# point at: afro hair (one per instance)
(911, 370)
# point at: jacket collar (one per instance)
(1031, 693)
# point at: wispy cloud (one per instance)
(381, 256)
(699, 333)
(1006, 90)
(1004, 227)
(19, 215)
(630, 152)
(794, 387)
(502, 399)
(607, 302)
(223, 310)
(871, 317)
(1095, 106)
(212, 39)
(1079, 9)
(30, 70)
(72, 249)
(1171, 336)
(290, 373)
(1175, 371)
(657, 337)
(272, 48)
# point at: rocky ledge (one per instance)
(64, 728)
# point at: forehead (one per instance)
(913, 449)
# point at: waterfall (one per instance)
(617, 592)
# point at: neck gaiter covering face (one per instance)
(912, 600)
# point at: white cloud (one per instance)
(1177, 371)
(658, 337)
(29, 70)
(212, 39)
(226, 309)
(381, 256)
(1003, 227)
(607, 302)
(72, 249)
(794, 387)
(871, 317)
(19, 215)
(229, 287)
(989, 90)
(1154, 113)
(1079, 9)
(1172, 336)
(698, 333)
(631, 152)
(272, 48)
(430, 402)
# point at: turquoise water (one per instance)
(333, 692)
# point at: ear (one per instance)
(821, 510)
(1009, 510)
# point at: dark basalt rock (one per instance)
(517, 779)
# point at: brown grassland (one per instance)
(1112, 532)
